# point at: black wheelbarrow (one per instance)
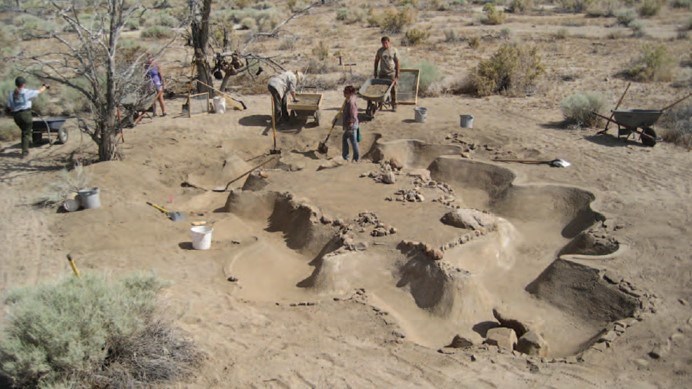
(50, 126)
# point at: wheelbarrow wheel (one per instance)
(318, 116)
(62, 136)
(648, 137)
(36, 138)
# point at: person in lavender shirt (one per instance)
(154, 74)
(350, 124)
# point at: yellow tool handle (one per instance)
(160, 208)
(73, 265)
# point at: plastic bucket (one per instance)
(89, 198)
(201, 237)
(219, 104)
(71, 205)
(466, 121)
(421, 114)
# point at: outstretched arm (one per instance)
(377, 62)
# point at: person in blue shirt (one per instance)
(19, 105)
(156, 78)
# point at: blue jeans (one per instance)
(350, 135)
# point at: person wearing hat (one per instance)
(19, 105)
(280, 86)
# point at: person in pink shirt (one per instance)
(350, 124)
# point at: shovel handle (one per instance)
(334, 122)
(160, 208)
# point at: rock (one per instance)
(436, 254)
(331, 164)
(473, 358)
(392, 230)
(395, 163)
(326, 220)
(609, 336)
(532, 343)
(232, 279)
(519, 327)
(422, 174)
(640, 362)
(660, 350)
(469, 219)
(502, 337)
(612, 277)
(460, 342)
(388, 178)
(361, 246)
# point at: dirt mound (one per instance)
(411, 153)
(594, 241)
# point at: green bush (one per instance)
(451, 36)
(415, 36)
(576, 6)
(649, 8)
(602, 8)
(157, 32)
(89, 333)
(394, 21)
(428, 74)
(625, 16)
(680, 4)
(561, 33)
(511, 70)
(520, 6)
(637, 28)
(492, 15)
(578, 108)
(653, 64)
(8, 130)
(678, 126)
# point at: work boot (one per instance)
(25, 154)
(393, 107)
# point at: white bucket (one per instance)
(201, 237)
(219, 104)
(466, 121)
(421, 114)
(89, 198)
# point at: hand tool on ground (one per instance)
(274, 150)
(322, 147)
(554, 163)
(73, 265)
(234, 100)
(616, 107)
(225, 188)
(173, 215)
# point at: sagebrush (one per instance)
(87, 332)
(677, 123)
(579, 108)
(511, 71)
(654, 63)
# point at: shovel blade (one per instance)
(176, 216)
(322, 148)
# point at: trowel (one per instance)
(173, 215)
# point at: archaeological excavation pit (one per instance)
(448, 247)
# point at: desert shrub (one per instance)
(8, 130)
(32, 27)
(578, 108)
(249, 23)
(602, 8)
(649, 8)
(637, 28)
(157, 32)
(561, 33)
(451, 36)
(267, 21)
(243, 3)
(91, 333)
(162, 19)
(492, 16)
(439, 5)
(321, 66)
(625, 16)
(511, 70)
(415, 36)
(575, 6)
(350, 15)
(474, 42)
(680, 4)
(394, 21)
(428, 74)
(678, 125)
(505, 33)
(654, 63)
(288, 42)
(321, 51)
(520, 6)
(132, 24)
(67, 183)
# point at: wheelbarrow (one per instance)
(377, 92)
(49, 125)
(630, 121)
(308, 105)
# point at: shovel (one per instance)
(175, 216)
(225, 188)
(274, 150)
(554, 163)
(322, 147)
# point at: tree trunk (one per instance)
(108, 146)
(200, 41)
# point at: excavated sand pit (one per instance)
(446, 247)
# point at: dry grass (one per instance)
(512, 70)
(678, 126)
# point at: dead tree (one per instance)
(199, 35)
(87, 61)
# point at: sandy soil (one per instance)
(316, 300)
